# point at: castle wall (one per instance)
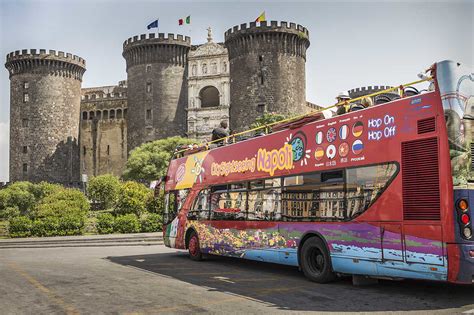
(157, 87)
(267, 68)
(103, 133)
(45, 98)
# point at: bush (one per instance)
(17, 195)
(48, 226)
(104, 189)
(127, 223)
(63, 202)
(132, 199)
(152, 222)
(44, 189)
(10, 212)
(105, 223)
(71, 225)
(20, 227)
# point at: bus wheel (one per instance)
(315, 261)
(194, 248)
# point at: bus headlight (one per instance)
(467, 232)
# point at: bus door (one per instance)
(174, 202)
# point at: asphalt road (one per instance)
(155, 279)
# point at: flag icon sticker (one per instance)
(357, 147)
(358, 129)
(331, 135)
(343, 149)
(319, 137)
(343, 131)
(319, 153)
(331, 151)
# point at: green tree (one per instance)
(18, 195)
(267, 118)
(149, 161)
(104, 189)
(133, 198)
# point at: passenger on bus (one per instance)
(342, 108)
(220, 132)
(367, 102)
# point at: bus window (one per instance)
(265, 204)
(200, 210)
(174, 201)
(365, 184)
(313, 196)
(228, 204)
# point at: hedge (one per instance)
(105, 223)
(127, 223)
(151, 223)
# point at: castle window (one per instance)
(26, 97)
(112, 114)
(105, 114)
(148, 114)
(119, 113)
(25, 149)
(26, 85)
(148, 68)
(209, 96)
(260, 79)
(261, 108)
(84, 115)
(25, 167)
(91, 115)
(84, 151)
(24, 122)
(148, 87)
(260, 58)
(108, 149)
(98, 114)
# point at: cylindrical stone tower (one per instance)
(267, 70)
(157, 88)
(45, 98)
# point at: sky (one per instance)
(353, 43)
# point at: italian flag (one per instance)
(187, 20)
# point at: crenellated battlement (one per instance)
(259, 27)
(42, 61)
(153, 48)
(160, 38)
(262, 37)
(46, 54)
(361, 91)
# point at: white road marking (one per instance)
(225, 279)
(469, 312)
(140, 260)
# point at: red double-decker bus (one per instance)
(378, 192)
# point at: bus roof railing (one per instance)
(287, 121)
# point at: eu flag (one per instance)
(153, 24)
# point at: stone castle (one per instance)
(60, 131)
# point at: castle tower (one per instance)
(157, 86)
(45, 97)
(267, 70)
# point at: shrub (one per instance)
(132, 199)
(44, 189)
(20, 227)
(127, 223)
(63, 202)
(9, 212)
(71, 225)
(18, 195)
(104, 189)
(105, 223)
(152, 222)
(48, 226)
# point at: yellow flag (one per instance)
(261, 17)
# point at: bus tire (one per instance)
(194, 248)
(316, 261)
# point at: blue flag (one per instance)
(153, 24)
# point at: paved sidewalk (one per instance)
(85, 240)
